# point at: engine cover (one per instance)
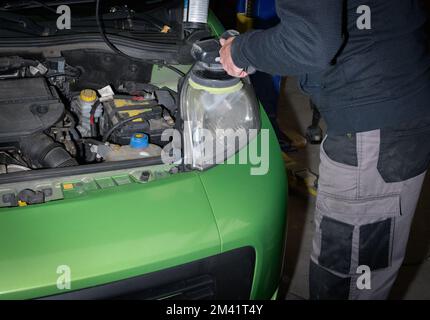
(27, 106)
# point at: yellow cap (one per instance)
(22, 203)
(88, 95)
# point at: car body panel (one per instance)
(106, 235)
(250, 211)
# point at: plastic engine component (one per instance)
(27, 106)
(43, 152)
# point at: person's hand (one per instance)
(227, 61)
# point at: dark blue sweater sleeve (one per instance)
(305, 41)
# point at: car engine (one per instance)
(53, 114)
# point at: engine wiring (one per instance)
(118, 51)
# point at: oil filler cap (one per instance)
(139, 141)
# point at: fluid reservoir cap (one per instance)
(88, 95)
(139, 140)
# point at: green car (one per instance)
(84, 212)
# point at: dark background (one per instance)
(225, 10)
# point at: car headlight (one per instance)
(220, 114)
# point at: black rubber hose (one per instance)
(41, 151)
(92, 120)
(168, 66)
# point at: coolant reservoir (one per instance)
(138, 148)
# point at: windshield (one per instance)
(150, 20)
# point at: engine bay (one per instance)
(83, 107)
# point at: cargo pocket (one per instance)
(356, 232)
(403, 154)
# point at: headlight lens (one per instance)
(218, 122)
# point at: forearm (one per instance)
(305, 41)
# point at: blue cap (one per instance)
(139, 140)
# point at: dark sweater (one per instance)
(360, 79)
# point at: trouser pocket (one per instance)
(341, 148)
(349, 234)
(355, 232)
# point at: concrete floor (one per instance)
(414, 278)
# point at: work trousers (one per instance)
(368, 189)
